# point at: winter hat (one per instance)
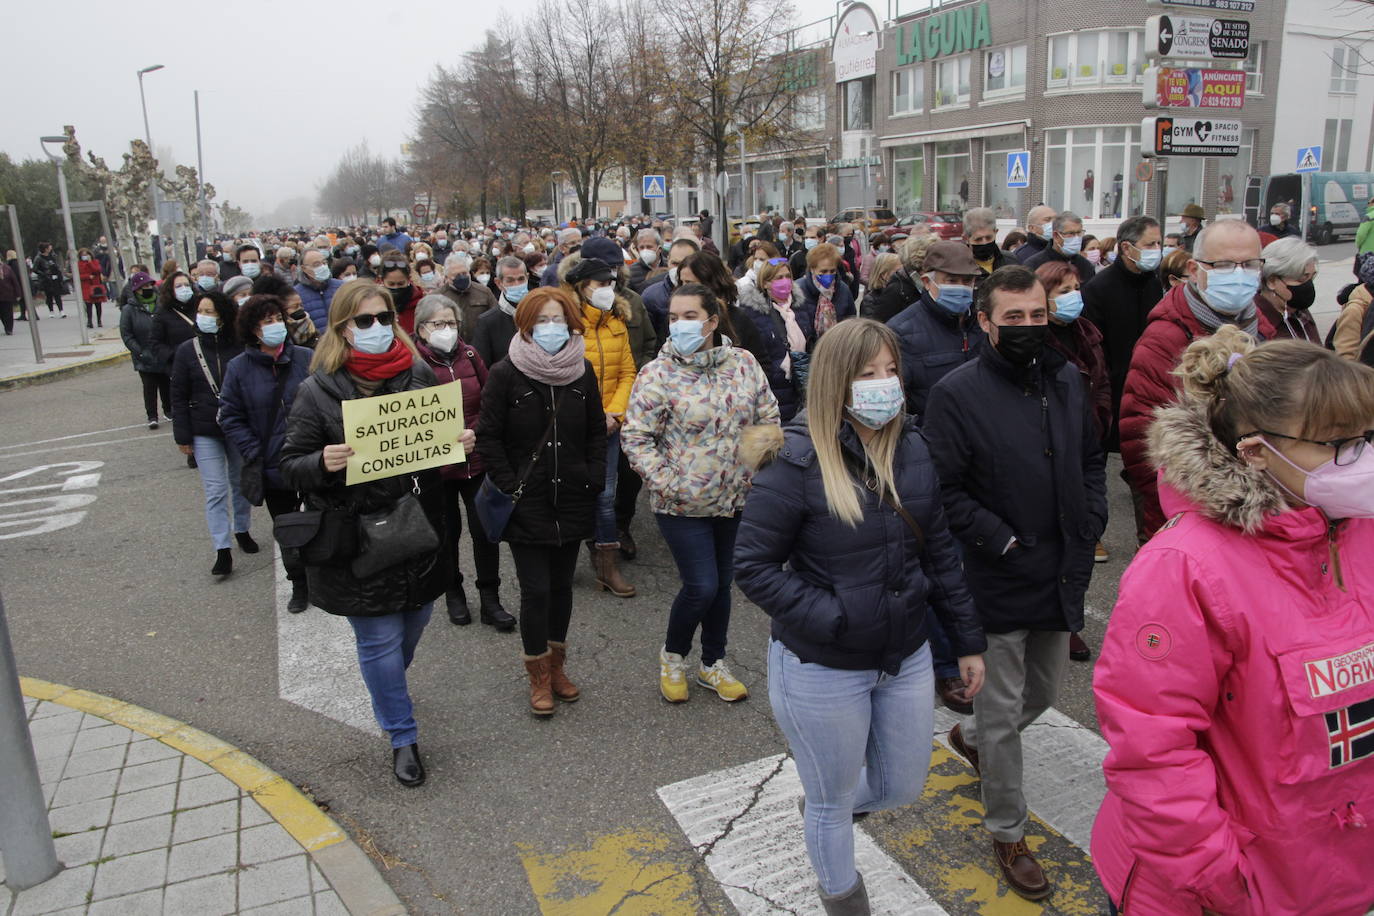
(604, 250)
(590, 269)
(234, 284)
(139, 280)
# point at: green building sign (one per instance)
(952, 32)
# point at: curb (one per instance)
(348, 869)
(42, 376)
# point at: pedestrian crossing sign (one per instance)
(1309, 159)
(1018, 169)
(655, 187)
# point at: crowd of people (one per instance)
(896, 446)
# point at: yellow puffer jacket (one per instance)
(608, 349)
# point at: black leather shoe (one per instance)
(405, 763)
(492, 613)
(1079, 650)
(246, 542)
(300, 597)
(457, 602)
(224, 562)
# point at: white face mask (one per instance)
(443, 339)
(484, 279)
(603, 297)
(649, 256)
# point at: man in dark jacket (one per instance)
(1039, 231)
(648, 252)
(495, 327)
(1065, 245)
(1119, 299)
(49, 272)
(1280, 222)
(317, 287)
(657, 293)
(470, 300)
(1191, 217)
(1024, 489)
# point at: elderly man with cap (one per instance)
(471, 300)
(1192, 218)
(136, 328)
(938, 334)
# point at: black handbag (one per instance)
(494, 506)
(324, 537)
(393, 535)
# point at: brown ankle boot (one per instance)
(606, 562)
(541, 694)
(563, 688)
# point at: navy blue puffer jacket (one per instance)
(245, 403)
(852, 598)
(934, 343)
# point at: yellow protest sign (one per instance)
(401, 433)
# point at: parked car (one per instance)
(877, 216)
(946, 225)
(751, 223)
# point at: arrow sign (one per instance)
(655, 186)
(1018, 169)
(1309, 159)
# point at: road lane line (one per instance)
(62, 448)
(745, 821)
(629, 873)
(97, 432)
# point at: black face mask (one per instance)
(461, 282)
(400, 297)
(984, 251)
(1021, 344)
(1303, 295)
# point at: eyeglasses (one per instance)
(1348, 450)
(443, 325)
(363, 322)
(1252, 264)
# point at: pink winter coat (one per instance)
(1236, 690)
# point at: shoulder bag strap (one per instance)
(278, 402)
(538, 450)
(204, 367)
(870, 482)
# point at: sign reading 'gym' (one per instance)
(1177, 135)
(952, 32)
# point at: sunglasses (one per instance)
(395, 265)
(363, 322)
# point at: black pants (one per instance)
(279, 502)
(98, 309)
(627, 487)
(7, 316)
(486, 555)
(155, 384)
(546, 575)
(54, 297)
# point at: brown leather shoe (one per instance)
(962, 748)
(1022, 873)
(1078, 649)
(606, 563)
(562, 688)
(951, 691)
(541, 693)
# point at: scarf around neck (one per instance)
(1247, 319)
(376, 367)
(561, 368)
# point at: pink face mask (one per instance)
(1093, 256)
(1344, 491)
(781, 288)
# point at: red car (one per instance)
(944, 225)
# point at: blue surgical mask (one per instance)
(1047, 231)
(825, 281)
(208, 324)
(1168, 250)
(322, 273)
(515, 293)
(686, 336)
(1072, 245)
(1230, 292)
(876, 402)
(250, 269)
(184, 293)
(551, 337)
(954, 298)
(1149, 258)
(376, 339)
(811, 243)
(1069, 306)
(274, 334)
(206, 283)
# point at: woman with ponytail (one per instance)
(843, 543)
(1236, 684)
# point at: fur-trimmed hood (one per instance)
(1201, 469)
(759, 444)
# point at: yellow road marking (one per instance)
(630, 873)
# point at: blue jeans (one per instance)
(220, 467)
(704, 550)
(862, 742)
(606, 532)
(386, 645)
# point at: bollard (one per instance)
(25, 836)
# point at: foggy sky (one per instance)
(284, 87)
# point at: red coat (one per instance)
(407, 317)
(1150, 383)
(92, 281)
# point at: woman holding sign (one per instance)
(544, 442)
(364, 353)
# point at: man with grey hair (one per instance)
(1223, 280)
(470, 300)
(1286, 288)
(569, 240)
(1066, 241)
(1279, 222)
(980, 235)
(1039, 231)
(648, 252)
(787, 243)
(316, 286)
(205, 275)
(440, 244)
(496, 327)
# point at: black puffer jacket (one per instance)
(316, 420)
(195, 405)
(852, 598)
(173, 325)
(558, 503)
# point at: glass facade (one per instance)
(908, 179)
(953, 175)
(1090, 170)
(808, 186)
(768, 186)
(1005, 202)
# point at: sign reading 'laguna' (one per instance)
(954, 32)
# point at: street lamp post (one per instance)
(200, 174)
(74, 265)
(148, 137)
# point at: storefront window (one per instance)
(768, 185)
(908, 179)
(808, 185)
(1111, 188)
(1005, 71)
(952, 81)
(1231, 174)
(1185, 184)
(1087, 170)
(953, 168)
(1004, 201)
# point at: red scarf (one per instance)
(376, 367)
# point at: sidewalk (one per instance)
(152, 816)
(62, 350)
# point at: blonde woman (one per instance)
(364, 352)
(884, 266)
(768, 300)
(843, 543)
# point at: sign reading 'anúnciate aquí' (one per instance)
(953, 32)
